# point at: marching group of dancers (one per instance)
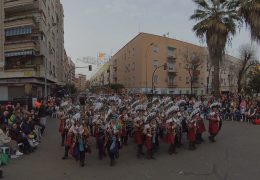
(112, 120)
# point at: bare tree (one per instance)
(248, 56)
(193, 61)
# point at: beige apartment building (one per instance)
(32, 47)
(134, 65)
(81, 82)
(102, 77)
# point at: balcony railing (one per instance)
(19, 67)
(172, 58)
(171, 68)
(172, 84)
(19, 4)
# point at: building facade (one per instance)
(33, 45)
(69, 70)
(187, 69)
(134, 65)
(102, 77)
(81, 82)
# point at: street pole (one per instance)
(165, 66)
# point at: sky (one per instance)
(93, 26)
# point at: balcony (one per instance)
(172, 85)
(19, 21)
(21, 67)
(20, 45)
(19, 5)
(171, 68)
(172, 58)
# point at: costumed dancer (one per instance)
(148, 141)
(155, 133)
(124, 134)
(69, 141)
(200, 128)
(138, 136)
(62, 129)
(191, 134)
(214, 122)
(170, 136)
(112, 143)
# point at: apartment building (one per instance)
(81, 82)
(102, 76)
(69, 69)
(134, 65)
(32, 47)
(188, 68)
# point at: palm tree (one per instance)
(217, 24)
(250, 12)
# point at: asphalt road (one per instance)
(235, 156)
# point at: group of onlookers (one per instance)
(21, 129)
(241, 109)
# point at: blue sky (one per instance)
(93, 26)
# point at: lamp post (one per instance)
(165, 67)
(45, 61)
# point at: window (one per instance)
(156, 79)
(155, 64)
(156, 48)
(187, 92)
(180, 78)
(202, 92)
(19, 53)
(180, 92)
(171, 80)
(171, 65)
(187, 80)
(170, 51)
(18, 31)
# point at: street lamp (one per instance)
(165, 68)
(45, 64)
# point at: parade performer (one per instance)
(200, 128)
(138, 136)
(214, 122)
(124, 134)
(148, 142)
(62, 129)
(191, 134)
(69, 142)
(170, 136)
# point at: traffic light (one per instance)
(90, 67)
